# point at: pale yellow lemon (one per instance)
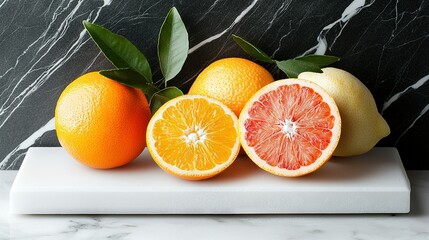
(362, 124)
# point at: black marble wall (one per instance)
(43, 47)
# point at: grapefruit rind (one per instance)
(190, 174)
(303, 170)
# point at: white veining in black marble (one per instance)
(44, 47)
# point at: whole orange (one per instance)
(231, 81)
(100, 122)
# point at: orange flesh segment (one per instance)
(289, 127)
(195, 135)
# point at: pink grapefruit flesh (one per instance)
(290, 127)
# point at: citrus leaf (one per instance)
(119, 50)
(293, 67)
(130, 78)
(252, 50)
(159, 98)
(173, 45)
(319, 60)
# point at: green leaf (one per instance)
(319, 60)
(130, 78)
(293, 67)
(252, 50)
(119, 50)
(163, 96)
(173, 45)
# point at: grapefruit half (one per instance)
(290, 127)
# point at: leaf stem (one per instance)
(150, 90)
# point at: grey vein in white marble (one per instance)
(246, 227)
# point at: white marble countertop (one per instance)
(414, 225)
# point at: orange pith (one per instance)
(100, 122)
(193, 137)
(290, 127)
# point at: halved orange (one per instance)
(290, 127)
(193, 137)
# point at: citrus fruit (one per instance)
(100, 122)
(193, 137)
(362, 124)
(290, 127)
(232, 81)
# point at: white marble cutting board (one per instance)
(51, 182)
